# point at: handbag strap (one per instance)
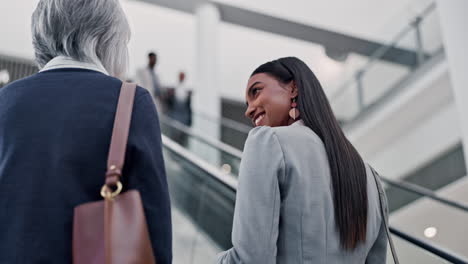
(118, 145)
(384, 212)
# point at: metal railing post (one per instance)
(419, 41)
(360, 90)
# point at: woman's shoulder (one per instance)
(285, 135)
(261, 137)
(290, 142)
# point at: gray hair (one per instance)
(94, 31)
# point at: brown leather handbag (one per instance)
(114, 230)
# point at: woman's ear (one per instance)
(293, 89)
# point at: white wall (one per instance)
(15, 20)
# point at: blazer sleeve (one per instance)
(378, 252)
(257, 209)
(146, 173)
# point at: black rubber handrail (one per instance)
(413, 188)
(442, 253)
(217, 144)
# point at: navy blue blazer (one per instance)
(55, 131)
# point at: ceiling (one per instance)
(369, 19)
(358, 27)
(341, 28)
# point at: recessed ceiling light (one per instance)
(430, 232)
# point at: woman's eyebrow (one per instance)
(250, 90)
(251, 86)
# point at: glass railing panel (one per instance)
(210, 153)
(416, 44)
(435, 222)
(431, 33)
(410, 253)
(202, 211)
(231, 132)
(345, 104)
(206, 126)
(379, 79)
(379, 76)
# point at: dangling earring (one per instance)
(294, 113)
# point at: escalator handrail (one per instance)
(409, 187)
(231, 181)
(225, 178)
(413, 188)
(438, 251)
(227, 122)
(209, 141)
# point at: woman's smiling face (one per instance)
(269, 101)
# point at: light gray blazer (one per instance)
(284, 205)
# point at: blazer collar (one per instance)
(60, 62)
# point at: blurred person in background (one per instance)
(55, 131)
(149, 79)
(182, 110)
(305, 195)
(178, 102)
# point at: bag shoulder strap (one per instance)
(384, 212)
(120, 132)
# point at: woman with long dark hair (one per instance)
(305, 195)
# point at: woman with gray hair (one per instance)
(55, 130)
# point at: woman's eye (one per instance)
(255, 91)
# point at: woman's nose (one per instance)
(249, 112)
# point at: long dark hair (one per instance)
(348, 172)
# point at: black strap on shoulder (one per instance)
(384, 212)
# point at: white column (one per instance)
(206, 98)
(454, 21)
